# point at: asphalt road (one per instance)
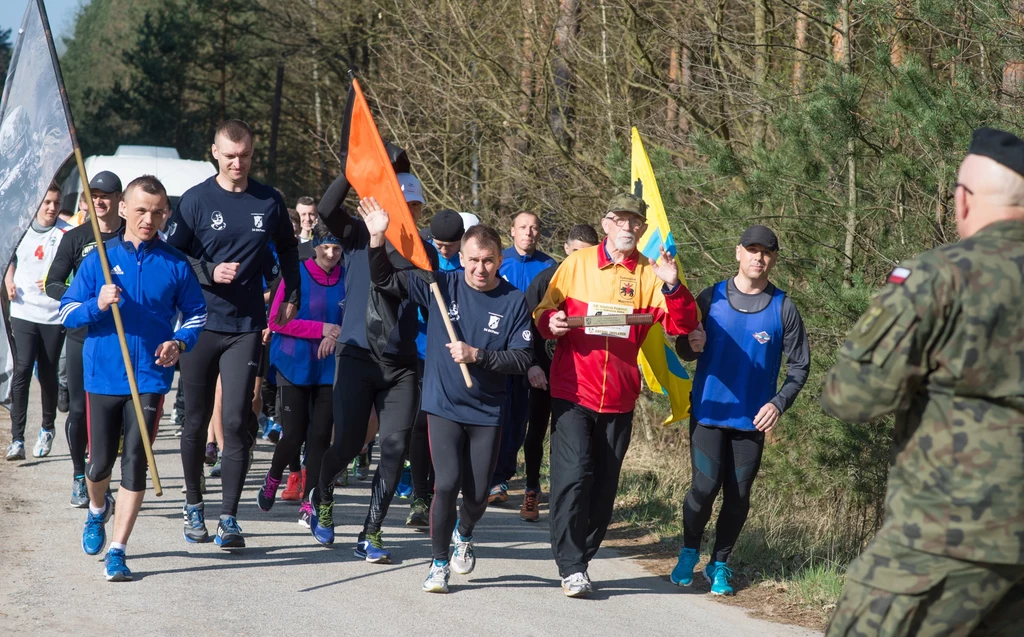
(283, 583)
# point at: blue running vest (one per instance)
(295, 358)
(738, 373)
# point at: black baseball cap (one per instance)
(760, 235)
(447, 226)
(105, 181)
(999, 146)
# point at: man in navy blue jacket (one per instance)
(153, 282)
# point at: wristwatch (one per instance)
(181, 345)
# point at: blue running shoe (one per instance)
(682, 574)
(195, 523)
(404, 489)
(321, 523)
(274, 433)
(718, 575)
(261, 425)
(372, 549)
(115, 567)
(229, 534)
(94, 535)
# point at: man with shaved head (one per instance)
(941, 348)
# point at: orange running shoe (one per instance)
(529, 511)
(293, 490)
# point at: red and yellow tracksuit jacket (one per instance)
(597, 367)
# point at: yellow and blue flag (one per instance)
(662, 369)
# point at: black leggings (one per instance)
(464, 456)
(75, 426)
(34, 343)
(300, 424)
(360, 384)
(720, 457)
(420, 466)
(109, 416)
(537, 428)
(236, 357)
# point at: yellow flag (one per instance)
(662, 369)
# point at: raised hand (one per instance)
(666, 269)
(375, 218)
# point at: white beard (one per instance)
(625, 242)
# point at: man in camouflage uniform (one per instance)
(942, 346)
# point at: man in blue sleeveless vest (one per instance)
(748, 325)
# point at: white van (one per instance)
(129, 162)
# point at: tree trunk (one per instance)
(671, 106)
(607, 82)
(842, 50)
(760, 65)
(317, 112)
(275, 122)
(897, 45)
(566, 29)
(800, 44)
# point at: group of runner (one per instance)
(353, 338)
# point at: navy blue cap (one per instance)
(105, 181)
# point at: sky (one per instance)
(61, 14)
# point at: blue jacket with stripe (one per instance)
(156, 283)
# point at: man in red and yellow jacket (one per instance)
(594, 376)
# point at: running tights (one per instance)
(536, 430)
(420, 465)
(108, 417)
(306, 417)
(721, 458)
(75, 426)
(464, 457)
(34, 344)
(236, 358)
(361, 384)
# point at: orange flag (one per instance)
(368, 170)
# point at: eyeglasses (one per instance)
(625, 222)
(960, 185)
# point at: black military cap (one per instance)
(760, 235)
(447, 226)
(105, 181)
(1000, 146)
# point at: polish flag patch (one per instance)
(898, 276)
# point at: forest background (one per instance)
(840, 124)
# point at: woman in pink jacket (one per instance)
(302, 357)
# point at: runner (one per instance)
(580, 236)
(595, 380)
(35, 325)
(519, 265)
(749, 325)
(76, 244)
(492, 317)
(222, 226)
(446, 236)
(149, 306)
(302, 358)
(377, 360)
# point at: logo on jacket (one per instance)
(218, 221)
(117, 269)
(627, 289)
(257, 223)
(762, 337)
(171, 227)
(492, 323)
(453, 312)
(87, 249)
(527, 335)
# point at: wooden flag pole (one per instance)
(451, 329)
(100, 248)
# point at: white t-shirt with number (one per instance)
(35, 253)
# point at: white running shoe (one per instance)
(437, 579)
(43, 444)
(577, 585)
(463, 561)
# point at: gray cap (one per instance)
(105, 181)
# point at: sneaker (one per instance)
(463, 561)
(79, 493)
(211, 454)
(215, 470)
(293, 490)
(202, 485)
(274, 434)
(267, 494)
(682, 574)
(265, 424)
(179, 431)
(261, 425)
(321, 523)
(372, 549)
(43, 444)
(419, 513)
(363, 466)
(404, 489)
(63, 400)
(577, 585)
(437, 579)
(530, 512)
(305, 513)
(718, 575)
(229, 534)
(498, 494)
(16, 450)
(116, 569)
(342, 479)
(94, 535)
(195, 523)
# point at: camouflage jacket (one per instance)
(942, 346)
